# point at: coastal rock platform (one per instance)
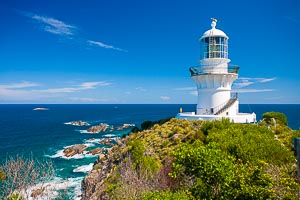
(74, 149)
(77, 123)
(98, 128)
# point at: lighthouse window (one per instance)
(214, 47)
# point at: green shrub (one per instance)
(16, 196)
(2, 175)
(167, 195)
(145, 163)
(97, 167)
(248, 142)
(279, 117)
(146, 125)
(218, 176)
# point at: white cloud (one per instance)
(17, 90)
(61, 28)
(90, 85)
(24, 84)
(185, 88)
(8, 93)
(54, 26)
(141, 89)
(22, 91)
(86, 99)
(106, 46)
(252, 90)
(244, 82)
(82, 86)
(58, 90)
(165, 98)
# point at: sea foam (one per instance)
(51, 189)
(60, 154)
(110, 135)
(84, 168)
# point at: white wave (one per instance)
(83, 131)
(60, 154)
(89, 144)
(84, 154)
(51, 188)
(84, 168)
(93, 140)
(110, 135)
(90, 155)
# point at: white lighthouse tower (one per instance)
(214, 78)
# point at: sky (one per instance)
(140, 51)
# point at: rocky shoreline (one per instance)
(93, 183)
(81, 148)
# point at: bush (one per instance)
(218, 176)
(166, 195)
(148, 124)
(279, 117)
(248, 142)
(207, 160)
(2, 175)
(146, 164)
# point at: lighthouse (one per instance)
(214, 77)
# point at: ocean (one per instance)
(44, 134)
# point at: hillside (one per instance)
(182, 159)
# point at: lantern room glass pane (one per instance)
(214, 47)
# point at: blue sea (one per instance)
(44, 134)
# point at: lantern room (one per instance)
(214, 43)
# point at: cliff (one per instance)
(182, 159)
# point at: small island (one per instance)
(78, 123)
(40, 109)
(102, 127)
(74, 149)
(124, 126)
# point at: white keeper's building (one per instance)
(214, 78)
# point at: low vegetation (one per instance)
(18, 176)
(182, 159)
(186, 160)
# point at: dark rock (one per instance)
(96, 151)
(97, 129)
(75, 149)
(107, 142)
(125, 126)
(78, 123)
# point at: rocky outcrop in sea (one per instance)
(98, 128)
(124, 126)
(74, 149)
(78, 123)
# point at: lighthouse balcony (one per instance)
(232, 69)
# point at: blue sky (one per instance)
(134, 51)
